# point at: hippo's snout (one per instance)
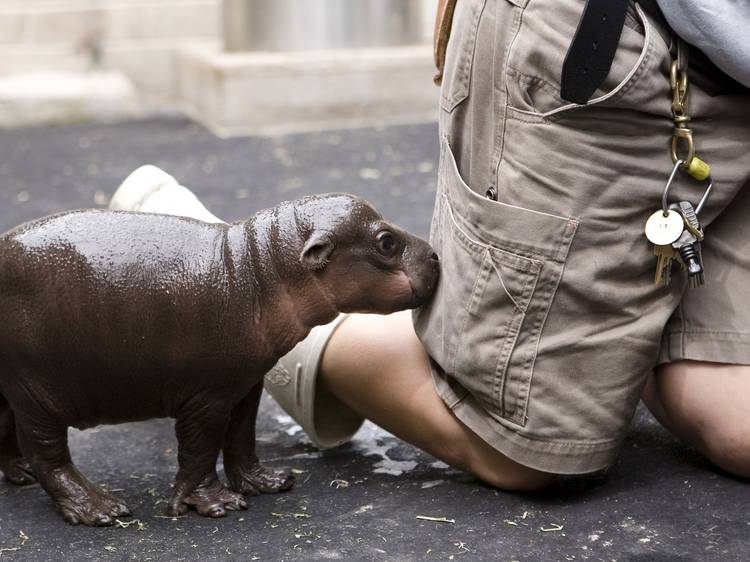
(422, 267)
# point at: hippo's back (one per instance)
(100, 292)
(112, 241)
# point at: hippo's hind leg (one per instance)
(200, 429)
(13, 465)
(245, 473)
(44, 442)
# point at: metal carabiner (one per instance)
(665, 193)
(683, 134)
(678, 80)
(705, 195)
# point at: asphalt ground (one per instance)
(363, 500)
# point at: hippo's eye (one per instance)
(386, 243)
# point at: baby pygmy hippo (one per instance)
(109, 317)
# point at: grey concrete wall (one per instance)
(137, 37)
(171, 52)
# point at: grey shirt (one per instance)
(719, 28)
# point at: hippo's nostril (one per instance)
(434, 257)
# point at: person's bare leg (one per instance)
(705, 405)
(376, 365)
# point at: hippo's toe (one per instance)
(210, 499)
(259, 479)
(96, 509)
(17, 471)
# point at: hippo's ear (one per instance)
(318, 249)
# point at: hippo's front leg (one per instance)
(245, 473)
(199, 435)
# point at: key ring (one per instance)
(665, 193)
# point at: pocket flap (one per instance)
(526, 232)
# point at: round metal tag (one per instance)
(662, 230)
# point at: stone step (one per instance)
(72, 22)
(60, 97)
(277, 93)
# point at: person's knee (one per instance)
(501, 472)
(465, 450)
(515, 478)
(703, 404)
(728, 446)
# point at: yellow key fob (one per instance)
(699, 169)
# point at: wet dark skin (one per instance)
(110, 317)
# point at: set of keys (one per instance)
(675, 230)
(681, 221)
(676, 234)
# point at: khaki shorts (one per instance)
(547, 320)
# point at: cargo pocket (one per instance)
(500, 267)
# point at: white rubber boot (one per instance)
(293, 384)
(293, 380)
(152, 190)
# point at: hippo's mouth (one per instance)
(421, 292)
